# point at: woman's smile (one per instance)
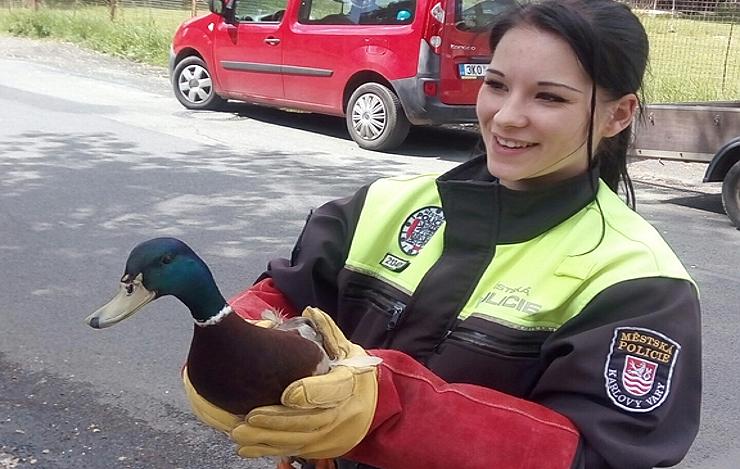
(512, 144)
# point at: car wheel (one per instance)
(375, 118)
(731, 194)
(193, 86)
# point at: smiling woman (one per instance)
(518, 296)
(534, 109)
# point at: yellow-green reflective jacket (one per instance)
(559, 296)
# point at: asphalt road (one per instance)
(96, 155)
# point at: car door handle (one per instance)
(273, 41)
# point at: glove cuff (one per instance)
(482, 428)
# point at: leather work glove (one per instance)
(321, 416)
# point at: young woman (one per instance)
(525, 315)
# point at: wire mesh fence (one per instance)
(695, 49)
(695, 44)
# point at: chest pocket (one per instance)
(368, 312)
(479, 351)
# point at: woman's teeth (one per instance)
(512, 143)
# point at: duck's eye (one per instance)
(166, 259)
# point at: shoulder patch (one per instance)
(639, 368)
(419, 228)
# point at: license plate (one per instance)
(472, 71)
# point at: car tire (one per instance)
(193, 86)
(731, 194)
(375, 118)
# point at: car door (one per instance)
(334, 39)
(248, 53)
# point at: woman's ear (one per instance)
(621, 114)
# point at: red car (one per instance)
(384, 64)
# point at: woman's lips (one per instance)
(511, 146)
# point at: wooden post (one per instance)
(193, 8)
(727, 58)
(113, 7)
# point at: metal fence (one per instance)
(695, 44)
(695, 49)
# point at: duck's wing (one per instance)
(305, 328)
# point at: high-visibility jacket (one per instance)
(562, 296)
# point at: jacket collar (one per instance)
(518, 216)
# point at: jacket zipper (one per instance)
(397, 312)
(389, 305)
(491, 344)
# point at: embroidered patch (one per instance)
(419, 228)
(639, 368)
(396, 264)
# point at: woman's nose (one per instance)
(510, 114)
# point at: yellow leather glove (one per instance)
(322, 416)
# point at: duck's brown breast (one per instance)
(237, 366)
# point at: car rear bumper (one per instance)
(429, 110)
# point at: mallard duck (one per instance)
(232, 363)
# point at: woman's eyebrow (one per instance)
(562, 85)
(539, 83)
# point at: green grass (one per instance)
(142, 35)
(692, 60)
(689, 57)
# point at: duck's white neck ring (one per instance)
(225, 311)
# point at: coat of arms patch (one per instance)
(639, 368)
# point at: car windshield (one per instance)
(477, 15)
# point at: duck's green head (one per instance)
(160, 267)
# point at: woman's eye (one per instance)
(495, 84)
(551, 98)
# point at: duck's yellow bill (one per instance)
(132, 295)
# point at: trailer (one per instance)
(707, 132)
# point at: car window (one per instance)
(477, 15)
(357, 12)
(270, 11)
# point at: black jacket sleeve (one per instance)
(627, 372)
(309, 277)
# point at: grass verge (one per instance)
(143, 38)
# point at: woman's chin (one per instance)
(504, 170)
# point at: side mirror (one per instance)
(225, 8)
(216, 6)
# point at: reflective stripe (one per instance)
(538, 284)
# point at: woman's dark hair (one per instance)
(611, 45)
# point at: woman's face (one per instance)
(533, 110)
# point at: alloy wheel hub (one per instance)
(369, 117)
